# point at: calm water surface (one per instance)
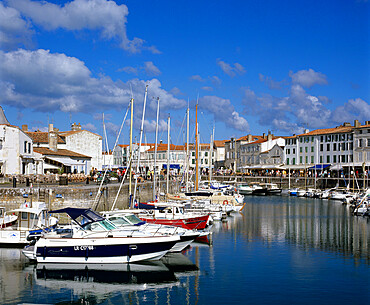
(280, 250)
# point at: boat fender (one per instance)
(226, 202)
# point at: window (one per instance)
(321, 147)
(25, 147)
(312, 149)
(312, 139)
(306, 149)
(327, 159)
(312, 159)
(322, 139)
(300, 149)
(334, 159)
(306, 160)
(293, 150)
(300, 159)
(206, 153)
(293, 161)
(328, 147)
(320, 159)
(334, 146)
(343, 158)
(368, 142)
(29, 148)
(287, 161)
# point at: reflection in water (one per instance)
(310, 223)
(230, 268)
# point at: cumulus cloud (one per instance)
(14, 31)
(224, 111)
(151, 69)
(308, 78)
(229, 69)
(288, 113)
(271, 84)
(352, 110)
(49, 82)
(106, 16)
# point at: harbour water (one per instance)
(280, 250)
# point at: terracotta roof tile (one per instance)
(42, 137)
(59, 152)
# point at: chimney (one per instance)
(367, 122)
(24, 127)
(264, 136)
(346, 124)
(306, 131)
(53, 138)
(76, 127)
(249, 138)
(269, 136)
(357, 123)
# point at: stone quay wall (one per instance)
(83, 195)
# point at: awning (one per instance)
(172, 166)
(319, 166)
(50, 166)
(66, 161)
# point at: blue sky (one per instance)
(253, 66)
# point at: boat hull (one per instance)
(197, 223)
(112, 250)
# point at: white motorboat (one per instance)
(6, 220)
(129, 221)
(245, 189)
(31, 219)
(95, 240)
(272, 188)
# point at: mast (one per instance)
(210, 154)
(168, 153)
(196, 149)
(187, 153)
(141, 136)
(131, 152)
(155, 151)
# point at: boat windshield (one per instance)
(134, 219)
(119, 221)
(103, 225)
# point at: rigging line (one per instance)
(182, 125)
(106, 169)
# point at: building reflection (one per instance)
(309, 223)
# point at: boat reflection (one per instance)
(104, 278)
(180, 264)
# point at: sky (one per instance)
(252, 66)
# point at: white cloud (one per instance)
(352, 110)
(207, 88)
(151, 69)
(105, 16)
(308, 78)
(49, 82)
(89, 126)
(129, 70)
(229, 69)
(14, 31)
(224, 111)
(271, 84)
(197, 78)
(216, 80)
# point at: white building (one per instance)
(361, 141)
(16, 149)
(84, 142)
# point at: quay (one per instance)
(82, 193)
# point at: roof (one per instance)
(3, 119)
(338, 129)
(164, 147)
(219, 143)
(59, 152)
(43, 137)
(72, 132)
